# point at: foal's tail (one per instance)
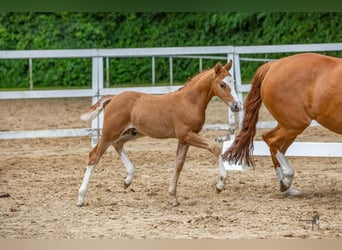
(242, 147)
(95, 109)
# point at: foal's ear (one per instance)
(228, 65)
(218, 67)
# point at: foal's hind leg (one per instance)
(128, 135)
(94, 157)
(279, 139)
(179, 162)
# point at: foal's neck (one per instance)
(199, 90)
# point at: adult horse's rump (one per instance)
(296, 90)
(180, 115)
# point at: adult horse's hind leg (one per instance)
(279, 139)
(127, 135)
(179, 162)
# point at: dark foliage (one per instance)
(65, 30)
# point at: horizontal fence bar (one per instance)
(63, 53)
(259, 125)
(287, 48)
(316, 149)
(156, 90)
(34, 134)
(273, 124)
(167, 51)
(200, 57)
(120, 52)
(243, 88)
(46, 94)
(248, 59)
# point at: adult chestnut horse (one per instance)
(180, 114)
(296, 90)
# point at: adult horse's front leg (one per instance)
(179, 162)
(196, 140)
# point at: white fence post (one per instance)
(238, 82)
(171, 69)
(153, 70)
(97, 86)
(30, 73)
(231, 115)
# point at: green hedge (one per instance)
(65, 30)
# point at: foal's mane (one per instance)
(191, 79)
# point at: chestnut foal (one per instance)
(180, 114)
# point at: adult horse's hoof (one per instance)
(285, 184)
(292, 192)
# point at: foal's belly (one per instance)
(152, 118)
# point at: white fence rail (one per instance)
(97, 89)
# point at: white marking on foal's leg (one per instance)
(129, 168)
(83, 189)
(285, 175)
(223, 175)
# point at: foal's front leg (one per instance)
(179, 162)
(196, 140)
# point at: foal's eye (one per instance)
(223, 85)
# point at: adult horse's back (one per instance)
(296, 90)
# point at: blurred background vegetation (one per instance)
(86, 30)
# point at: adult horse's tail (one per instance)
(242, 147)
(95, 109)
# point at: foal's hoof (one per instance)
(292, 192)
(218, 190)
(219, 187)
(80, 202)
(126, 185)
(175, 203)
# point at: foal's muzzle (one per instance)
(235, 106)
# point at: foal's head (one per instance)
(223, 86)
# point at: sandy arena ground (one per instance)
(39, 181)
